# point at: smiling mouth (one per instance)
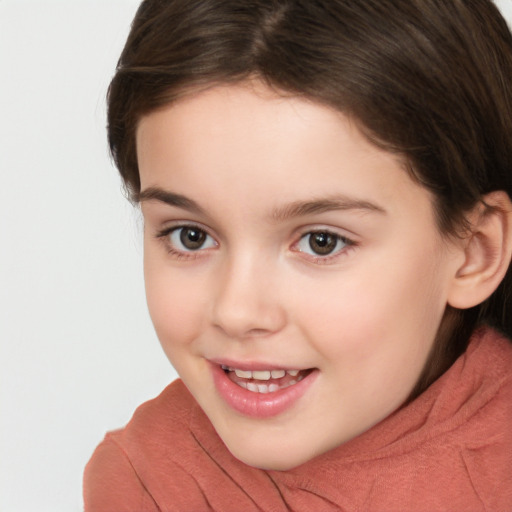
(265, 381)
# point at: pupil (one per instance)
(322, 243)
(192, 238)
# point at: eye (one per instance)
(190, 238)
(322, 243)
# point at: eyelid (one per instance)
(177, 224)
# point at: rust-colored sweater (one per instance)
(450, 449)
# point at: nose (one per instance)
(247, 303)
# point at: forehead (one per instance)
(251, 115)
(247, 141)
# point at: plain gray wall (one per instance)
(77, 350)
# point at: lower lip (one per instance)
(259, 405)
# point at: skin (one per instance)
(364, 317)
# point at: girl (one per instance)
(326, 190)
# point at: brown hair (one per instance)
(427, 79)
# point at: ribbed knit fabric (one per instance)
(449, 450)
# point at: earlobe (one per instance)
(487, 252)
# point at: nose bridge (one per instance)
(247, 300)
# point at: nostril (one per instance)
(257, 333)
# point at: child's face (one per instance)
(277, 238)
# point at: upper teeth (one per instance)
(261, 374)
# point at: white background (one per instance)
(77, 350)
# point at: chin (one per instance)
(272, 463)
(271, 459)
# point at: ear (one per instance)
(487, 252)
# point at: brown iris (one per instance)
(192, 238)
(322, 242)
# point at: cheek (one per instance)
(175, 303)
(381, 305)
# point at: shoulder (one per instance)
(159, 428)
(465, 444)
(486, 449)
(131, 467)
(110, 482)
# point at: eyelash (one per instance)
(191, 254)
(329, 257)
(165, 234)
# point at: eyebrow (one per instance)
(170, 198)
(315, 206)
(294, 209)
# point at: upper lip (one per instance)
(254, 365)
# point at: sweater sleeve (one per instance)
(111, 483)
